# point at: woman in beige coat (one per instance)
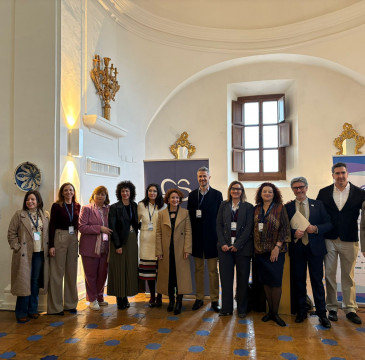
(28, 238)
(173, 247)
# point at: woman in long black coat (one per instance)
(123, 262)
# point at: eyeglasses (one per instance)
(236, 189)
(296, 188)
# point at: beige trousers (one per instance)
(347, 252)
(62, 295)
(213, 278)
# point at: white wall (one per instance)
(29, 103)
(318, 102)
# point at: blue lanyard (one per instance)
(200, 202)
(35, 224)
(263, 215)
(71, 216)
(154, 208)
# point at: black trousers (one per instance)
(301, 257)
(227, 262)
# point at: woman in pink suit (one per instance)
(94, 245)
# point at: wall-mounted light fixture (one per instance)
(75, 142)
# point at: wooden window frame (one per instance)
(238, 148)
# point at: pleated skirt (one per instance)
(123, 269)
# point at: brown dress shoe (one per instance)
(22, 320)
(34, 316)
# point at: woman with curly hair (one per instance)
(148, 210)
(123, 261)
(271, 235)
(173, 247)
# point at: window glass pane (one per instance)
(270, 112)
(251, 137)
(251, 113)
(270, 136)
(252, 161)
(271, 161)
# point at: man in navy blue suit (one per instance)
(203, 206)
(308, 248)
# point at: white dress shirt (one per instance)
(340, 197)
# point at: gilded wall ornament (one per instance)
(182, 149)
(105, 81)
(348, 133)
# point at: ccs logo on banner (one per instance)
(180, 174)
(169, 183)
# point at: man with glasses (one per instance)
(343, 202)
(203, 206)
(308, 248)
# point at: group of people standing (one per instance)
(231, 233)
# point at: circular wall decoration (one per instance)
(27, 176)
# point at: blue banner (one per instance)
(169, 174)
(181, 174)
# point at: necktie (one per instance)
(305, 240)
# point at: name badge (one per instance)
(233, 226)
(105, 237)
(198, 214)
(150, 226)
(233, 239)
(71, 230)
(37, 236)
(261, 227)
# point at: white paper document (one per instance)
(298, 221)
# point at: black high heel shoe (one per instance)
(279, 320)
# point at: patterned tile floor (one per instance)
(144, 333)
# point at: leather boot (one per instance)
(151, 285)
(120, 303)
(178, 304)
(158, 301)
(170, 307)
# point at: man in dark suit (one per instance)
(308, 248)
(203, 206)
(343, 202)
(362, 229)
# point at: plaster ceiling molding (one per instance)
(162, 30)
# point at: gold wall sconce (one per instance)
(105, 81)
(182, 149)
(349, 141)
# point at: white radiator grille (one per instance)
(101, 168)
